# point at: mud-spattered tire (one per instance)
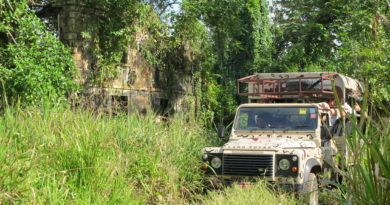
(310, 190)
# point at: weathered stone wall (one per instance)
(139, 86)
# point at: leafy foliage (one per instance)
(366, 172)
(240, 39)
(115, 31)
(34, 65)
(216, 41)
(351, 38)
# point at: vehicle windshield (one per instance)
(276, 118)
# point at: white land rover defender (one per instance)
(289, 133)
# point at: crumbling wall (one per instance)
(139, 86)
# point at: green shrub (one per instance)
(34, 64)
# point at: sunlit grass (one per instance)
(248, 194)
(61, 156)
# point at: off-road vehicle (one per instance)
(289, 133)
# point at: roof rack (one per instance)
(288, 85)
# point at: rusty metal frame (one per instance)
(256, 80)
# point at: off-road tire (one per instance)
(310, 190)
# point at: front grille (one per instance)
(247, 165)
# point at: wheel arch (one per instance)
(312, 166)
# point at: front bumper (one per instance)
(287, 184)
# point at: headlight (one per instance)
(284, 164)
(216, 162)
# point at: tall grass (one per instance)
(61, 156)
(56, 156)
(258, 193)
(366, 180)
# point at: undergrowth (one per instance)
(258, 193)
(366, 173)
(62, 156)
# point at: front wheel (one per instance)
(310, 190)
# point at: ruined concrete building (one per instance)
(138, 87)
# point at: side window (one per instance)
(325, 120)
(243, 120)
(337, 129)
(325, 129)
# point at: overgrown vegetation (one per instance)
(366, 173)
(348, 37)
(258, 193)
(241, 44)
(216, 41)
(57, 155)
(34, 64)
(116, 29)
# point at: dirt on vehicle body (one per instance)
(289, 133)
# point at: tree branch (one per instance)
(165, 7)
(33, 3)
(9, 4)
(9, 34)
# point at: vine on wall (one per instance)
(123, 25)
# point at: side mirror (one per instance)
(221, 131)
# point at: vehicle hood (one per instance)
(267, 144)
